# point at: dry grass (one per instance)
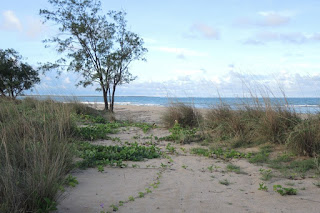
(185, 115)
(35, 154)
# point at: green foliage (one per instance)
(263, 187)
(15, 76)
(100, 168)
(220, 153)
(131, 198)
(47, 205)
(171, 149)
(262, 156)
(94, 155)
(266, 174)
(144, 126)
(141, 194)
(284, 191)
(98, 131)
(114, 207)
(71, 181)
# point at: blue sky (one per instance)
(196, 48)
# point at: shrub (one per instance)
(305, 137)
(35, 154)
(185, 115)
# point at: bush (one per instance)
(185, 115)
(35, 154)
(304, 139)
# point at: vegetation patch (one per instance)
(284, 191)
(94, 155)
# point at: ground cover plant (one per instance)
(95, 155)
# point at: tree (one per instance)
(99, 47)
(15, 76)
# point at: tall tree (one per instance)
(97, 46)
(15, 76)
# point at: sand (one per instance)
(186, 185)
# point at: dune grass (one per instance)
(35, 153)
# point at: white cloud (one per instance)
(11, 21)
(29, 27)
(266, 19)
(285, 37)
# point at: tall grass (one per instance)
(35, 153)
(254, 122)
(185, 115)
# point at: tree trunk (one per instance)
(112, 99)
(105, 98)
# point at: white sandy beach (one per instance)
(186, 185)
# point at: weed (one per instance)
(141, 194)
(284, 191)
(317, 184)
(263, 187)
(266, 174)
(184, 166)
(135, 166)
(131, 198)
(121, 203)
(114, 207)
(234, 168)
(71, 181)
(148, 191)
(100, 168)
(210, 168)
(171, 149)
(225, 182)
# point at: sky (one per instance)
(203, 48)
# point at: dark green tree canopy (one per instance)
(15, 76)
(97, 46)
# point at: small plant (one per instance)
(266, 174)
(141, 194)
(184, 166)
(210, 168)
(114, 207)
(183, 149)
(225, 182)
(48, 205)
(148, 191)
(135, 166)
(100, 168)
(121, 203)
(284, 191)
(163, 165)
(171, 149)
(234, 168)
(71, 181)
(131, 198)
(263, 187)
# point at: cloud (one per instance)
(29, 27)
(287, 37)
(265, 19)
(200, 30)
(11, 21)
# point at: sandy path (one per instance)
(186, 185)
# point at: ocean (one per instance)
(300, 105)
